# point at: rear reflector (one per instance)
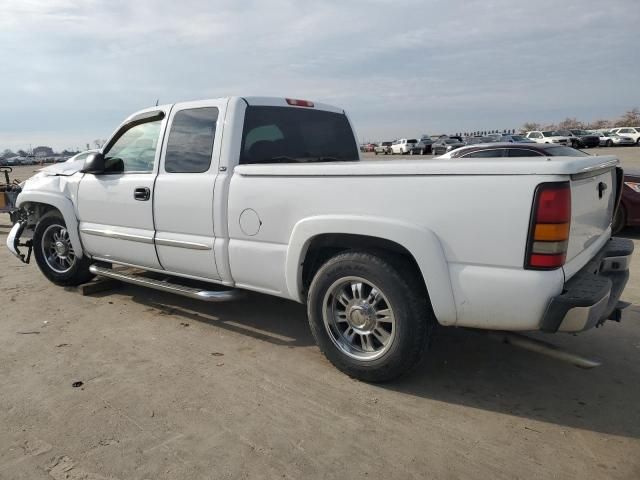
(299, 103)
(550, 226)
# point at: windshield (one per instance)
(519, 138)
(296, 135)
(580, 132)
(451, 140)
(562, 151)
(562, 133)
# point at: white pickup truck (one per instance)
(270, 195)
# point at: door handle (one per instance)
(142, 193)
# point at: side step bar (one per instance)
(164, 286)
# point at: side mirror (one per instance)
(94, 164)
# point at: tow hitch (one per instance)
(13, 242)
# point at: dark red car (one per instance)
(628, 213)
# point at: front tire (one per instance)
(55, 255)
(371, 321)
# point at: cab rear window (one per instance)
(296, 135)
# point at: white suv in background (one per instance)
(548, 136)
(631, 132)
(403, 146)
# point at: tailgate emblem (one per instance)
(601, 188)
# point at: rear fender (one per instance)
(422, 243)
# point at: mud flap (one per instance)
(13, 242)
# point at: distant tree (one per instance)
(631, 118)
(529, 126)
(569, 123)
(599, 124)
(7, 154)
(22, 153)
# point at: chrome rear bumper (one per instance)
(592, 295)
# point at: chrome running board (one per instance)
(165, 286)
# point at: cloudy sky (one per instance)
(73, 69)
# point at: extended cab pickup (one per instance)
(270, 195)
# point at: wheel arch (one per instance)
(420, 245)
(45, 204)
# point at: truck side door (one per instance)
(115, 207)
(183, 195)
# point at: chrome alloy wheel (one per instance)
(358, 318)
(57, 249)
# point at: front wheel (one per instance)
(55, 255)
(369, 319)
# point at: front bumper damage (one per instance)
(592, 295)
(14, 244)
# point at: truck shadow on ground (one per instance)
(465, 367)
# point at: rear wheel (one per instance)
(372, 322)
(55, 255)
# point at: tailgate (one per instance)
(593, 200)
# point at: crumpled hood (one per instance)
(64, 169)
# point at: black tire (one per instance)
(78, 269)
(619, 220)
(403, 295)
(609, 143)
(375, 152)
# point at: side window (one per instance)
(493, 153)
(624, 130)
(190, 143)
(134, 150)
(521, 152)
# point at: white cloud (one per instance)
(397, 66)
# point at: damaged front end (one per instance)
(14, 239)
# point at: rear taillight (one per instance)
(549, 230)
(299, 103)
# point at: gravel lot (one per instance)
(177, 389)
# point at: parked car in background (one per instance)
(548, 136)
(504, 149)
(631, 132)
(444, 145)
(567, 133)
(368, 147)
(515, 139)
(615, 140)
(383, 148)
(404, 146)
(585, 139)
(12, 161)
(628, 213)
(426, 142)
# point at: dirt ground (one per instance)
(177, 389)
